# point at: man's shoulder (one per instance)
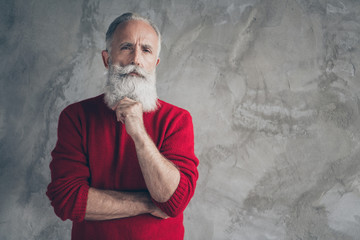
(93, 100)
(168, 107)
(86, 104)
(89, 101)
(171, 111)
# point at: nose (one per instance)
(136, 57)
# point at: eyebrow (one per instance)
(128, 44)
(147, 46)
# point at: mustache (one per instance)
(124, 71)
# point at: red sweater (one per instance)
(93, 149)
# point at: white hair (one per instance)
(125, 18)
(140, 88)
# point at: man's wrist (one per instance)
(141, 139)
(148, 205)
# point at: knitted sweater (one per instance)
(93, 149)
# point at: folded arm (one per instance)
(107, 205)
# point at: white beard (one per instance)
(141, 88)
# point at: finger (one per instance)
(120, 116)
(121, 120)
(115, 106)
(123, 100)
(126, 99)
(122, 106)
(161, 216)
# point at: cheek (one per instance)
(151, 65)
(152, 61)
(121, 59)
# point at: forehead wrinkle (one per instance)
(143, 32)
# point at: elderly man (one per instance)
(124, 165)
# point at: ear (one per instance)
(157, 61)
(105, 58)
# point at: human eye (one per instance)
(147, 49)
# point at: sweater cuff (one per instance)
(176, 204)
(79, 209)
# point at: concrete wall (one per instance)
(272, 85)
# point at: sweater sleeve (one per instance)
(70, 173)
(178, 147)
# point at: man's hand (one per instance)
(130, 113)
(158, 213)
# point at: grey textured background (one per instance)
(272, 86)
